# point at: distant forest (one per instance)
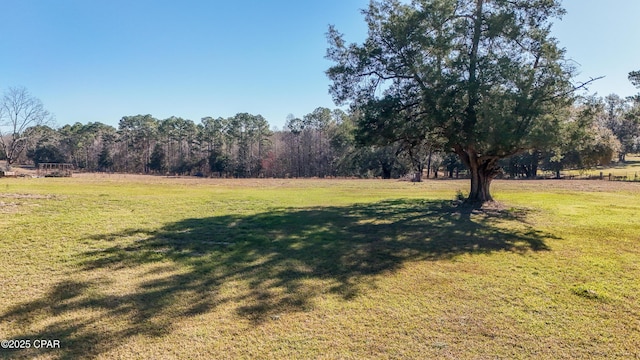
(323, 143)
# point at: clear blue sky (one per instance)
(99, 60)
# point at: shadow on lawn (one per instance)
(260, 265)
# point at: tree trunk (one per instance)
(418, 176)
(480, 186)
(483, 169)
(534, 164)
(429, 163)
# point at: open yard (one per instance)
(139, 267)
(629, 171)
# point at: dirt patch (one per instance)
(225, 182)
(26, 196)
(430, 184)
(493, 209)
(8, 207)
(10, 203)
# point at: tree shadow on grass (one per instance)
(262, 265)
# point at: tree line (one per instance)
(320, 144)
(323, 143)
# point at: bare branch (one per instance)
(19, 110)
(581, 85)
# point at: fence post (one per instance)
(601, 177)
(609, 176)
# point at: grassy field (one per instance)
(137, 267)
(630, 170)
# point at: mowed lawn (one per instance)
(137, 267)
(629, 171)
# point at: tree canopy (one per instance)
(634, 77)
(485, 76)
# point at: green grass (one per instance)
(148, 267)
(629, 170)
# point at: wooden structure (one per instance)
(4, 173)
(55, 169)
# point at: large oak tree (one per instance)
(485, 75)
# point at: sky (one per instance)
(100, 60)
